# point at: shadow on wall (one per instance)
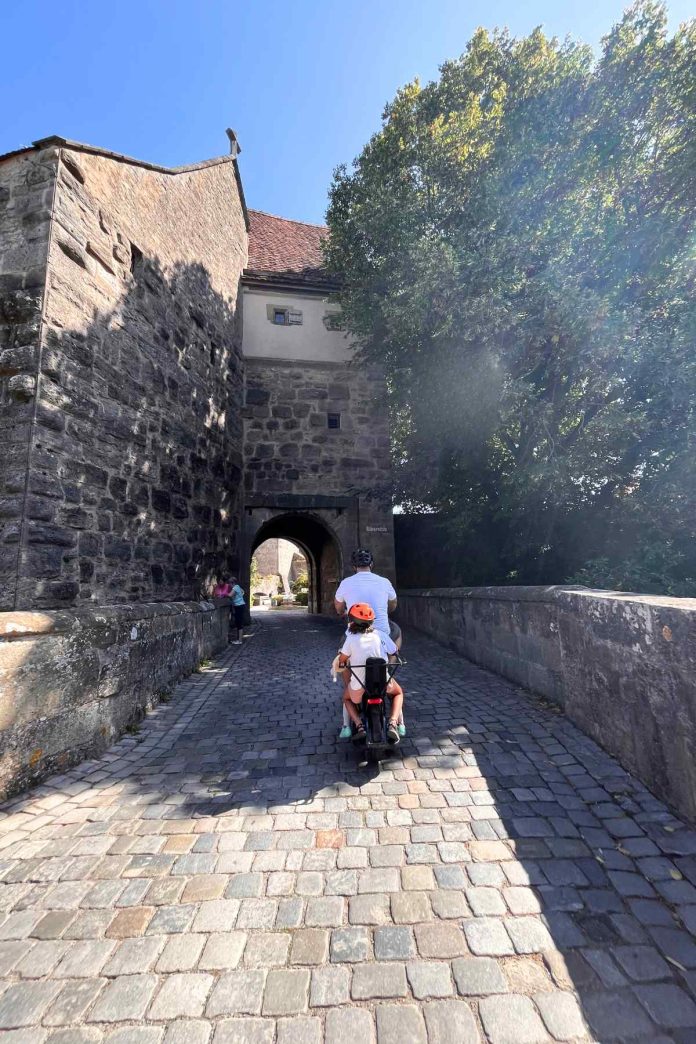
(132, 498)
(137, 448)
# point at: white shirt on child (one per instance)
(361, 645)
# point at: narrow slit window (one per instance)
(136, 263)
(333, 420)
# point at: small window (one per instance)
(333, 420)
(280, 317)
(333, 321)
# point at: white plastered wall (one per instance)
(309, 340)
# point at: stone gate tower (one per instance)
(316, 439)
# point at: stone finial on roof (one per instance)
(235, 147)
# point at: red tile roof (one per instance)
(281, 250)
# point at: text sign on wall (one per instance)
(376, 529)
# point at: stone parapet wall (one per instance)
(622, 666)
(72, 681)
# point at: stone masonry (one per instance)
(73, 680)
(288, 446)
(27, 183)
(136, 468)
(338, 480)
(127, 435)
(222, 878)
(124, 396)
(621, 666)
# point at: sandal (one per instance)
(359, 736)
(393, 731)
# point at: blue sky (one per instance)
(303, 82)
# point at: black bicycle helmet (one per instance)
(361, 557)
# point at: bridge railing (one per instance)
(622, 666)
(72, 680)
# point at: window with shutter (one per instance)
(333, 321)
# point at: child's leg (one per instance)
(396, 693)
(395, 634)
(345, 674)
(350, 698)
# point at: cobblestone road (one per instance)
(231, 875)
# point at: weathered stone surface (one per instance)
(450, 1022)
(643, 653)
(136, 440)
(121, 402)
(24, 237)
(290, 452)
(77, 678)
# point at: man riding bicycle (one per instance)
(376, 591)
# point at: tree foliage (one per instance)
(516, 246)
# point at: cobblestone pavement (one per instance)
(232, 875)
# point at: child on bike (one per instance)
(361, 642)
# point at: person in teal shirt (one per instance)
(238, 609)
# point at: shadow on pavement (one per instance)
(543, 884)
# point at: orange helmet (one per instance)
(361, 612)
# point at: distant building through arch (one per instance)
(281, 561)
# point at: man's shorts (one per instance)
(394, 631)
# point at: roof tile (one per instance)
(284, 249)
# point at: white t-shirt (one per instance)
(358, 647)
(368, 587)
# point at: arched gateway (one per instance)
(313, 533)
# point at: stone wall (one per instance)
(291, 451)
(288, 444)
(136, 448)
(26, 196)
(72, 680)
(622, 667)
(279, 558)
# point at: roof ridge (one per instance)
(292, 221)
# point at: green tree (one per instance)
(515, 245)
(255, 576)
(300, 584)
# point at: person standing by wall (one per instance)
(238, 609)
(222, 589)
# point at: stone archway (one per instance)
(318, 542)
